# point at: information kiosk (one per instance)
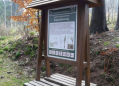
(64, 30)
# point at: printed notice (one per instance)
(62, 32)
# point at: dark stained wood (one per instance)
(60, 60)
(94, 3)
(80, 42)
(45, 44)
(39, 4)
(74, 63)
(87, 55)
(40, 44)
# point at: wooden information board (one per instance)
(64, 30)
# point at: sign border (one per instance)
(75, 35)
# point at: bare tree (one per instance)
(11, 12)
(98, 20)
(117, 24)
(5, 13)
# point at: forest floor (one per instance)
(18, 61)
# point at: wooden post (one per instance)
(87, 47)
(83, 24)
(47, 63)
(40, 44)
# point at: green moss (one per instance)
(106, 43)
(5, 48)
(28, 51)
(35, 40)
(61, 65)
(11, 49)
(97, 52)
(43, 68)
(3, 38)
(100, 39)
(32, 53)
(32, 33)
(1, 51)
(35, 46)
(17, 55)
(69, 70)
(117, 45)
(1, 60)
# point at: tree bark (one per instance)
(117, 24)
(11, 12)
(5, 13)
(98, 20)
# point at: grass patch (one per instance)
(106, 43)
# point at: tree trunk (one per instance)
(117, 24)
(98, 20)
(5, 12)
(11, 12)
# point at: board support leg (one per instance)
(47, 68)
(87, 59)
(40, 44)
(87, 48)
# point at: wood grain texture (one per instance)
(87, 48)
(80, 42)
(56, 80)
(45, 44)
(39, 3)
(40, 44)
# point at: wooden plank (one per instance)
(35, 84)
(57, 81)
(27, 84)
(92, 1)
(40, 44)
(50, 83)
(60, 60)
(65, 80)
(60, 75)
(41, 83)
(69, 79)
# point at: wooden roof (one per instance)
(39, 3)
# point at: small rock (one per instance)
(2, 76)
(9, 72)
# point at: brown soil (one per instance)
(98, 43)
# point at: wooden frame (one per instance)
(83, 56)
